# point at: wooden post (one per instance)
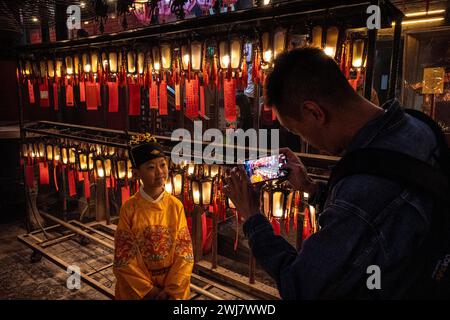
(214, 241)
(251, 268)
(197, 233)
(100, 203)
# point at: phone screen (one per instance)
(267, 168)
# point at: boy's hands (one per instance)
(157, 294)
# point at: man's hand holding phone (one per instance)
(297, 174)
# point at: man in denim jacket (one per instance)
(366, 220)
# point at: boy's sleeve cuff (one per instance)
(254, 224)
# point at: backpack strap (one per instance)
(394, 166)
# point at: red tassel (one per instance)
(71, 183)
(29, 176)
(287, 225)
(55, 178)
(244, 77)
(43, 173)
(236, 240)
(153, 96)
(204, 229)
(99, 96)
(91, 96)
(177, 97)
(80, 176)
(202, 100)
(306, 232)
(87, 185)
(276, 226)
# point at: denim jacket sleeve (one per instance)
(322, 259)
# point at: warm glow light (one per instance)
(69, 71)
(226, 61)
(357, 63)
(178, 184)
(424, 13)
(196, 196)
(358, 50)
(87, 68)
(186, 60)
(266, 2)
(268, 55)
(157, 66)
(305, 195)
(417, 21)
(329, 51)
(168, 187)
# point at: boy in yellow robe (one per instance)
(153, 256)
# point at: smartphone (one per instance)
(266, 168)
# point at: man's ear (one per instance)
(314, 110)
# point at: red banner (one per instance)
(153, 96)
(163, 99)
(43, 173)
(276, 226)
(69, 95)
(44, 100)
(135, 99)
(82, 91)
(31, 92)
(55, 96)
(91, 96)
(99, 96)
(113, 97)
(229, 87)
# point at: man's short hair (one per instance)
(305, 74)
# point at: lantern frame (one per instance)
(173, 175)
(266, 47)
(117, 170)
(85, 62)
(227, 51)
(111, 55)
(164, 65)
(201, 198)
(131, 64)
(284, 32)
(200, 58)
(89, 157)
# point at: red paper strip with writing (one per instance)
(44, 101)
(125, 190)
(29, 176)
(30, 92)
(163, 99)
(113, 97)
(177, 97)
(43, 173)
(87, 185)
(55, 96)
(134, 100)
(91, 96)
(153, 96)
(191, 107)
(229, 88)
(71, 183)
(69, 95)
(82, 91)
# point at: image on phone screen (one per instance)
(265, 169)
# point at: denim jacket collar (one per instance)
(392, 117)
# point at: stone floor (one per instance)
(43, 280)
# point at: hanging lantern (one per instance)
(202, 191)
(27, 68)
(141, 62)
(317, 37)
(168, 186)
(191, 169)
(289, 207)
(86, 62)
(214, 170)
(130, 169)
(266, 48)
(279, 42)
(64, 154)
(230, 204)
(120, 167)
(104, 61)
(59, 64)
(76, 64)
(266, 195)
(94, 61)
(35, 68)
(278, 203)
(177, 178)
(85, 160)
(112, 61)
(185, 57)
(156, 59)
(224, 55)
(50, 68)
(358, 50)
(69, 65)
(196, 55)
(103, 167)
(331, 42)
(206, 170)
(49, 152)
(24, 152)
(131, 61)
(43, 68)
(166, 56)
(41, 151)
